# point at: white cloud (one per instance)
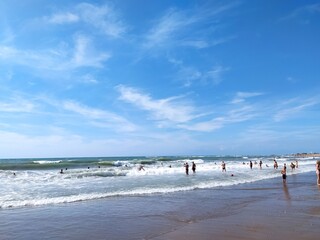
(214, 75)
(100, 118)
(85, 56)
(17, 105)
(89, 79)
(171, 22)
(103, 18)
(62, 18)
(190, 75)
(232, 116)
(82, 55)
(304, 13)
(205, 126)
(169, 109)
(205, 43)
(293, 108)
(173, 113)
(242, 96)
(172, 28)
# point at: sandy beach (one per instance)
(266, 209)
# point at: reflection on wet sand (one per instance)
(286, 192)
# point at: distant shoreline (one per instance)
(305, 155)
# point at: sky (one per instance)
(160, 77)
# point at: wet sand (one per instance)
(262, 210)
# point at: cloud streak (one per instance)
(17, 105)
(242, 96)
(99, 118)
(174, 26)
(169, 109)
(293, 108)
(103, 18)
(83, 55)
(172, 112)
(63, 18)
(190, 75)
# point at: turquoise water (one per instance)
(36, 182)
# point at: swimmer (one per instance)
(284, 173)
(318, 171)
(61, 171)
(193, 167)
(275, 164)
(223, 166)
(186, 165)
(260, 164)
(292, 166)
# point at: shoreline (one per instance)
(266, 209)
(287, 211)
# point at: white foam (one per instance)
(46, 162)
(42, 187)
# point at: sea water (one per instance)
(36, 182)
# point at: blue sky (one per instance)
(140, 77)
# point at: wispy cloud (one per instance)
(172, 109)
(17, 105)
(82, 55)
(172, 112)
(200, 44)
(242, 96)
(86, 57)
(103, 18)
(190, 75)
(293, 108)
(62, 18)
(304, 13)
(226, 118)
(167, 26)
(172, 28)
(100, 118)
(215, 74)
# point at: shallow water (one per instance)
(36, 182)
(153, 216)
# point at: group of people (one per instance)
(186, 165)
(275, 165)
(292, 165)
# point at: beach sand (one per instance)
(266, 209)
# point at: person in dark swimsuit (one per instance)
(284, 173)
(223, 165)
(193, 167)
(186, 165)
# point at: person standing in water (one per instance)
(223, 166)
(275, 164)
(318, 171)
(193, 167)
(186, 165)
(284, 173)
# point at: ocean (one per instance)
(39, 182)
